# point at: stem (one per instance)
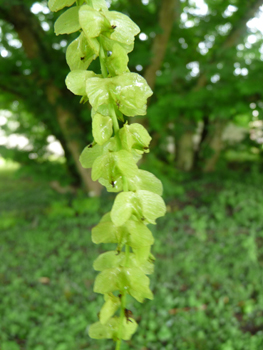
(126, 264)
(114, 119)
(125, 184)
(102, 62)
(125, 189)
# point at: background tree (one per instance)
(203, 63)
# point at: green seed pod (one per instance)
(113, 156)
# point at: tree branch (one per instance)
(167, 15)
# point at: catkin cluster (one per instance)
(113, 156)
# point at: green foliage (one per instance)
(207, 281)
(201, 47)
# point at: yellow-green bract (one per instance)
(114, 93)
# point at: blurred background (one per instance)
(204, 61)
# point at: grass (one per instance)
(208, 275)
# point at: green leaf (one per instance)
(122, 208)
(113, 186)
(109, 308)
(146, 266)
(102, 167)
(145, 205)
(135, 233)
(98, 4)
(145, 180)
(152, 204)
(109, 281)
(108, 260)
(110, 329)
(111, 165)
(89, 154)
(93, 22)
(80, 53)
(98, 93)
(131, 279)
(117, 60)
(108, 43)
(136, 137)
(128, 328)
(104, 331)
(129, 92)
(142, 253)
(113, 259)
(138, 284)
(105, 232)
(125, 29)
(68, 22)
(76, 81)
(138, 234)
(56, 5)
(101, 128)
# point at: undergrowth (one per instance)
(208, 275)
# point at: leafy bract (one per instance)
(128, 328)
(109, 330)
(134, 233)
(68, 22)
(114, 186)
(106, 232)
(142, 253)
(111, 165)
(92, 21)
(108, 260)
(117, 60)
(153, 205)
(138, 284)
(101, 128)
(111, 305)
(123, 207)
(98, 4)
(138, 234)
(56, 5)
(76, 81)
(89, 154)
(145, 205)
(81, 52)
(129, 92)
(135, 137)
(145, 180)
(130, 279)
(124, 28)
(113, 259)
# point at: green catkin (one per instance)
(113, 156)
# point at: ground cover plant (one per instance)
(208, 273)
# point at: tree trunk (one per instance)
(31, 34)
(185, 151)
(72, 134)
(214, 142)
(167, 15)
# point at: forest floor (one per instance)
(208, 278)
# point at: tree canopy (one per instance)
(203, 60)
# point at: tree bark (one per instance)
(215, 144)
(167, 16)
(185, 152)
